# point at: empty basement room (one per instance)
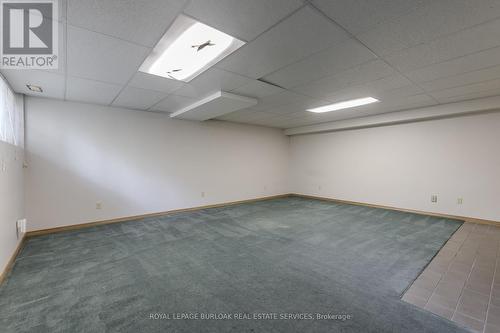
(250, 166)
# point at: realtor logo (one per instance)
(29, 34)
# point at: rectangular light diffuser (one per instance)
(187, 49)
(344, 105)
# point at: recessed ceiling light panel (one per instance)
(344, 105)
(34, 88)
(187, 49)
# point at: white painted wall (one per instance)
(137, 162)
(12, 199)
(402, 165)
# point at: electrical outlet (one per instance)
(20, 227)
(319, 187)
(265, 187)
(4, 165)
(434, 198)
(460, 201)
(202, 194)
(98, 205)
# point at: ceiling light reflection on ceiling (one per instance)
(344, 105)
(187, 49)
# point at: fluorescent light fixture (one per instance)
(188, 49)
(344, 105)
(34, 88)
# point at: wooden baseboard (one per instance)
(420, 212)
(136, 217)
(12, 259)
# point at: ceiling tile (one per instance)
(61, 52)
(436, 20)
(136, 98)
(385, 88)
(397, 103)
(242, 19)
(452, 46)
(360, 15)
(51, 83)
(246, 115)
(173, 103)
(272, 121)
(468, 63)
(468, 96)
(98, 57)
(333, 60)
(448, 47)
(283, 98)
(142, 22)
(83, 90)
(154, 82)
(307, 103)
(478, 76)
(364, 73)
(258, 89)
(481, 89)
(300, 35)
(212, 80)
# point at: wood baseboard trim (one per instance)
(420, 212)
(10, 263)
(136, 217)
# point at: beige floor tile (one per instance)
(491, 329)
(473, 304)
(470, 246)
(426, 282)
(495, 301)
(452, 246)
(482, 274)
(440, 310)
(475, 238)
(463, 276)
(465, 257)
(432, 275)
(445, 302)
(460, 266)
(471, 323)
(485, 264)
(420, 292)
(446, 254)
(460, 236)
(482, 229)
(486, 255)
(458, 278)
(442, 261)
(450, 290)
(495, 290)
(483, 288)
(415, 300)
(493, 315)
(438, 268)
(468, 226)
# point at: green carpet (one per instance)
(272, 264)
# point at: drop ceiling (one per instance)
(298, 55)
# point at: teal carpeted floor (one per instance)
(281, 257)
